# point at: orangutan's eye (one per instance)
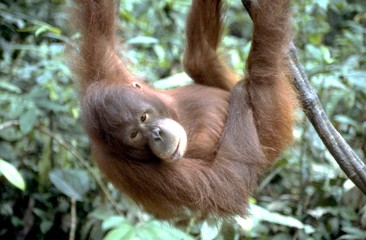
(144, 117)
(134, 134)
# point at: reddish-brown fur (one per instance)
(234, 134)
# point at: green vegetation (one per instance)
(49, 188)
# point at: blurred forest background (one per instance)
(49, 187)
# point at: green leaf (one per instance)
(123, 232)
(323, 3)
(353, 233)
(343, 119)
(10, 87)
(326, 54)
(73, 183)
(101, 213)
(152, 230)
(160, 52)
(28, 120)
(176, 80)
(259, 214)
(209, 232)
(113, 221)
(143, 40)
(49, 105)
(12, 174)
(47, 28)
(10, 134)
(161, 230)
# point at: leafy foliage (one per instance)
(305, 196)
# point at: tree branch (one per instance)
(346, 158)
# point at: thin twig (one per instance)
(73, 219)
(9, 124)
